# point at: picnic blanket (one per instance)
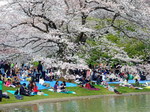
(13, 92)
(52, 83)
(66, 92)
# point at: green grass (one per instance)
(80, 92)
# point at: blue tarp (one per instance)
(52, 83)
(13, 92)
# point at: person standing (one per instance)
(40, 67)
(40, 70)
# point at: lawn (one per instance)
(79, 92)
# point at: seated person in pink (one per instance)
(9, 84)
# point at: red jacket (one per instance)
(35, 89)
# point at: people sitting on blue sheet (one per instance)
(56, 87)
(30, 86)
(23, 90)
(32, 74)
(35, 88)
(63, 86)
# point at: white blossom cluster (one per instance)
(49, 29)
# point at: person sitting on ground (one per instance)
(42, 82)
(63, 86)
(30, 86)
(35, 88)
(8, 83)
(56, 87)
(23, 90)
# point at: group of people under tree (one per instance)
(12, 75)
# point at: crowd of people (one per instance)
(11, 75)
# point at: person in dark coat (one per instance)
(40, 67)
(24, 90)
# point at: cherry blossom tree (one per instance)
(57, 29)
